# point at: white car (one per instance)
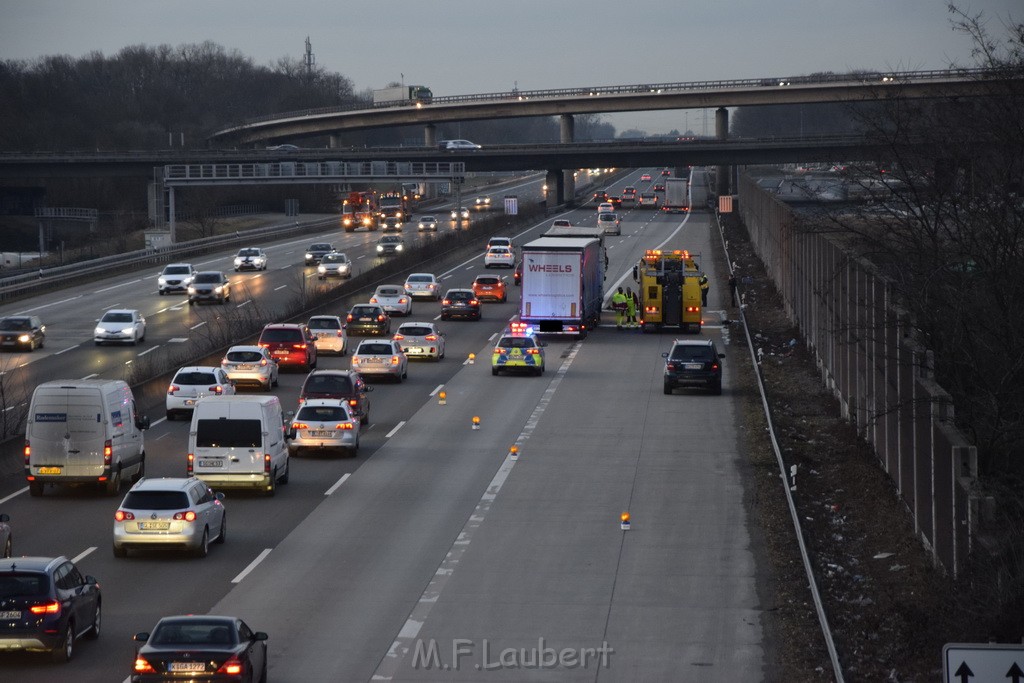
(423, 285)
(393, 299)
(175, 277)
(323, 424)
(192, 383)
(427, 223)
(461, 213)
(170, 511)
(459, 144)
(561, 223)
(250, 365)
(499, 256)
(421, 340)
(609, 223)
(250, 258)
(328, 334)
(380, 357)
(499, 242)
(120, 325)
(605, 206)
(482, 203)
(335, 264)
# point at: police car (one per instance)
(518, 349)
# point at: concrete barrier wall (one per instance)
(882, 378)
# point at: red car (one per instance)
(289, 344)
(490, 287)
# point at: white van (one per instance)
(84, 431)
(238, 442)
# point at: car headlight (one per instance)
(191, 290)
(218, 290)
(398, 247)
(380, 247)
(162, 280)
(24, 338)
(321, 269)
(308, 255)
(127, 330)
(238, 261)
(99, 330)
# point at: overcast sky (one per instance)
(459, 47)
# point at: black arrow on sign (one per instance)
(1015, 674)
(964, 672)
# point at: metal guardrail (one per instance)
(46, 278)
(867, 77)
(323, 171)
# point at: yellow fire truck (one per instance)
(669, 290)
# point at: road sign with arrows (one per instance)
(982, 663)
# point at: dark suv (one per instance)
(344, 385)
(693, 363)
(460, 303)
(46, 604)
(317, 251)
(289, 344)
(368, 319)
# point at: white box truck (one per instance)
(676, 197)
(84, 431)
(563, 285)
(403, 94)
(238, 442)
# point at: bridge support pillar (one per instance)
(555, 182)
(429, 135)
(171, 223)
(332, 141)
(722, 133)
(566, 135)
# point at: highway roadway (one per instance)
(433, 555)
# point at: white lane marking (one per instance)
(197, 325)
(492, 336)
(16, 493)
(107, 308)
(67, 349)
(155, 423)
(148, 350)
(436, 389)
(402, 644)
(281, 287)
(359, 257)
(395, 430)
(470, 267)
(107, 289)
(252, 565)
(95, 374)
(176, 307)
(437, 317)
(336, 484)
(78, 558)
(177, 340)
(446, 277)
(55, 303)
(290, 252)
(284, 267)
(244, 303)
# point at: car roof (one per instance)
(429, 217)
(422, 275)
(171, 265)
(31, 564)
(186, 618)
(319, 317)
(416, 324)
(283, 326)
(693, 342)
(121, 310)
(462, 290)
(198, 368)
(332, 371)
(162, 484)
(321, 402)
(246, 347)
(210, 272)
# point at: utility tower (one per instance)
(310, 58)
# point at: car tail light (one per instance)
(299, 347)
(533, 351)
(108, 452)
(266, 463)
(398, 337)
(353, 401)
(190, 464)
(348, 317)
(431, 337)
(346, 426)
(28, 453)
(446, 302)
(395, 360)
(380, 318)
(338, 333)
(122, 515)
(671, 367)
(473, 302)
(263, 345)
(403, 300)
(217, 389)
(172, 388)
(232, 667)
(373, 299)
(500, 349)
(355, 359)
(143, 667)
(263, 362)
(300, 425)
(52, 607)
(714, 366)
(189, 516)
(302, 399)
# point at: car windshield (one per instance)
(389, 291)
(15, 324)
(245, 356)
(13, 585)
(177, 270)
(277, 334)
(420, 278)
(390, 240)
(229, 434)
(193, 632)
(415, 331)
(156, 500)
(606, 217)
(428, 219)
(195, 377)
(693, 353)
(335, 258)
(460, 296)
(322, 414)
(500, 251)
(516, 342)
(374, 350)
(116, 318)
(365, 310)
(207, 278)
(324, 324)
(327, 384)
(249, 252)
(487, 280)
(321, 247)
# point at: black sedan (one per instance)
(368, 319)
(22, 332)
(201, 648)
(460, 303)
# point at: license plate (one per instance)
(366, 320)
(280, 352)
(154, 526)
(190, 401)
(374, 361)
(187, 666)
(49, 470)
(321, 433)
(245, 367)
(10, 614)
(414, 349)
(211, 463)
(692, 366)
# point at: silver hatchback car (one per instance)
(328, 334)
(323, 424)
(172, 511)
(380, 357)
(250, 365)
